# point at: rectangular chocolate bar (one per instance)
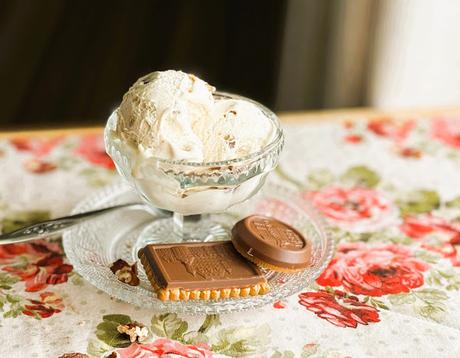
(200, 270)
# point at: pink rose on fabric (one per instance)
(354, 209)
(447, 130)
(436, 234)
(91, 147)
(373, 270)
(164, 348)
(338, 308)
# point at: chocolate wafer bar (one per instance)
(201, 271)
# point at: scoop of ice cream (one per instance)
(236, 129)
(173, 115)
(155, 114)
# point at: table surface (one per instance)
(387, 182)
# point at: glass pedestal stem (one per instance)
(186, 226)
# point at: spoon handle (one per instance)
(51, 227)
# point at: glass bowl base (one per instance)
(165, 231)
(93, 247)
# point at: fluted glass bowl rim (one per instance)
(277, 141)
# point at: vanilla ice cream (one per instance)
(173, 115)
(178, 117)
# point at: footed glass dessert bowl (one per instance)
(192, 190)
(165, 121)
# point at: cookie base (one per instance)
(263, 264)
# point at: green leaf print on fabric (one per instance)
(236, 340)
(454, 203)
(7, 280)
(76, 279)
(15, 306)
(97, 348)
(427, 256)
(418, 201)
(319, 178)
(370, 237)
(108, 333)
(231, 341)
(377, 303)
(18, 219)
(314, 350)
(360, 176)
(448, 278)
(427, 302)
(283, 175)
(209, 322)
(401, 299)
(195, 337)
(2, 302)
(285, 354)
(169, 325)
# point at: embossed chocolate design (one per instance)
(207, 262)
(277, 233)
(271, 244)
(200, 265)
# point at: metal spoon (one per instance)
(54, 226)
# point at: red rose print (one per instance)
(8, 253)
(38, 147)
(279, 305)
(338, 308)
(164, 347)
(91, 148)
(397, 131)
(447, 130)
(21, 144)
(355, 209)
(436, 234)
(373, 270)
(353, 138)
(49, 304)
(38, 264)
(410, 153)
(39, 166)
(390, 128)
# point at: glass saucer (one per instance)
(91, 248)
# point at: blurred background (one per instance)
(67, 63)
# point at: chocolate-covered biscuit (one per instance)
(271, 244)
(211, 270)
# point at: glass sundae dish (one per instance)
(188, 149)
(199, 154)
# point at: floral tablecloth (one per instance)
(390, 188)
